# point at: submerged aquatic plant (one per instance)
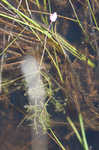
(36, 97)
(56, 39)
(62, 79)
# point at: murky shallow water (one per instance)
(13, 137)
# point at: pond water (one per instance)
(17, 136)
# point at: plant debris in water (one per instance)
(72, 86)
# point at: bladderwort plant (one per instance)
(44, 35)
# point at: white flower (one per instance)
(53, 17)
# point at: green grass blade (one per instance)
(57, 140)
(37, 3)
(75, 130)
(85, 144)
(92, 15)
(77, 16)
